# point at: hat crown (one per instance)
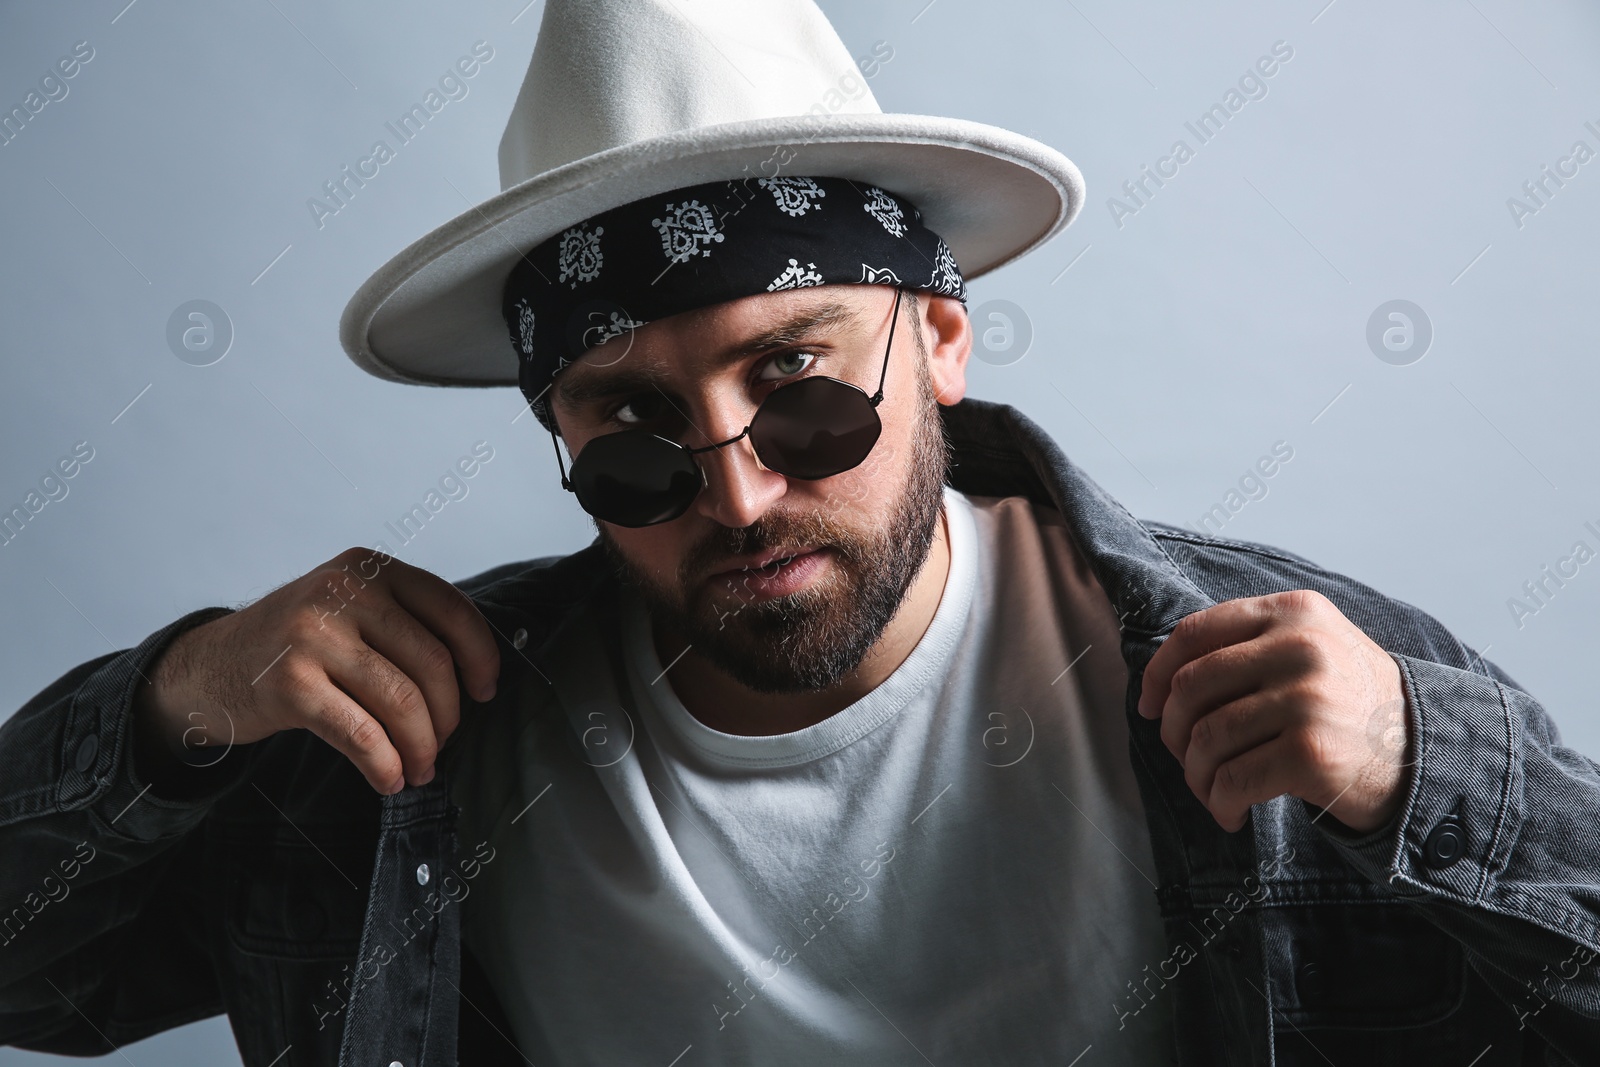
(606, 73)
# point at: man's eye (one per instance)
(786, 363)
(641, 408)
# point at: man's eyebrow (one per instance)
(807, 322)
(823, 317)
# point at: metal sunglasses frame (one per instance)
(874, 400)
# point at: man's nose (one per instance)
(738, 489)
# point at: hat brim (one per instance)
(431, 315)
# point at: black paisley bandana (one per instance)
(706, 244)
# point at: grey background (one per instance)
(1168, 354)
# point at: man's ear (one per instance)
(949, 337)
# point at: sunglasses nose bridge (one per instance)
(738, 442)
(716, 445)
(741, 488)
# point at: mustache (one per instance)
(774, 531)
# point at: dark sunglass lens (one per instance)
(634, 478)
(815, 428)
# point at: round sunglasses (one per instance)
(813, 428)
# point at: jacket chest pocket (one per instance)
(1366, 965)
(300, 899)
(1375, 982)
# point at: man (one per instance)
(869, 729)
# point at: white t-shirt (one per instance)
(953, 869)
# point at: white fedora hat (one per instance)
(626, 99)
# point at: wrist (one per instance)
(174, 734)
(158, 702)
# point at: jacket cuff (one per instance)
(1464, 802)
(97, 746)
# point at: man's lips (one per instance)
(764, 560)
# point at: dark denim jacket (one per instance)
(326, 920)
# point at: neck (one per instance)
(722, 703)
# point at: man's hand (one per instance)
(362, 651)
(1278, 694)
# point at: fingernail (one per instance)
(396, 785)
(427, 776)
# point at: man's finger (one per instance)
(389, 695)
(397, 636)
(452, 616)
(1261, 774)
(332, 715)
(1204, 631)
(1204, 683)
(1229, 732)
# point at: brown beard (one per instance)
(811, 639)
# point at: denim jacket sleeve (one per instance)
(1498, 839)
(101, 934)
(1524, 895)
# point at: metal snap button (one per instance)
(422, 874)
(1308, 982)
(1446, 843)
(519, 639)
(88, 749)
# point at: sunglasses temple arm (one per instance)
(565, 484)
(883, 375)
